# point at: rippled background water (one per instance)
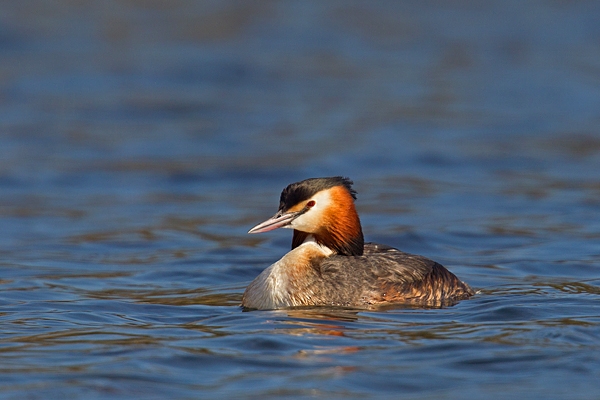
(139, 140)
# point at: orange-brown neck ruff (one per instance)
(340, 230)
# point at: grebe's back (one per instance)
(384, 275)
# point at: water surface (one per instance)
(140, 141)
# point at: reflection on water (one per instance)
(140, 141)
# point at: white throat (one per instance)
(310, 241)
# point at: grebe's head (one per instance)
(323, 208)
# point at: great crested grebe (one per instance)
(331, 265)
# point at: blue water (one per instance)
(139, 141)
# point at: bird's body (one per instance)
(330, 265)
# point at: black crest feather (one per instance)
(294, 193)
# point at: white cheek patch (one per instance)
(311, 220)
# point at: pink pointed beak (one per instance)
(277, 221)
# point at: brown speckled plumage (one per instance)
(386, 275)
(330, 266)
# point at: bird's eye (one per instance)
(311, 204)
